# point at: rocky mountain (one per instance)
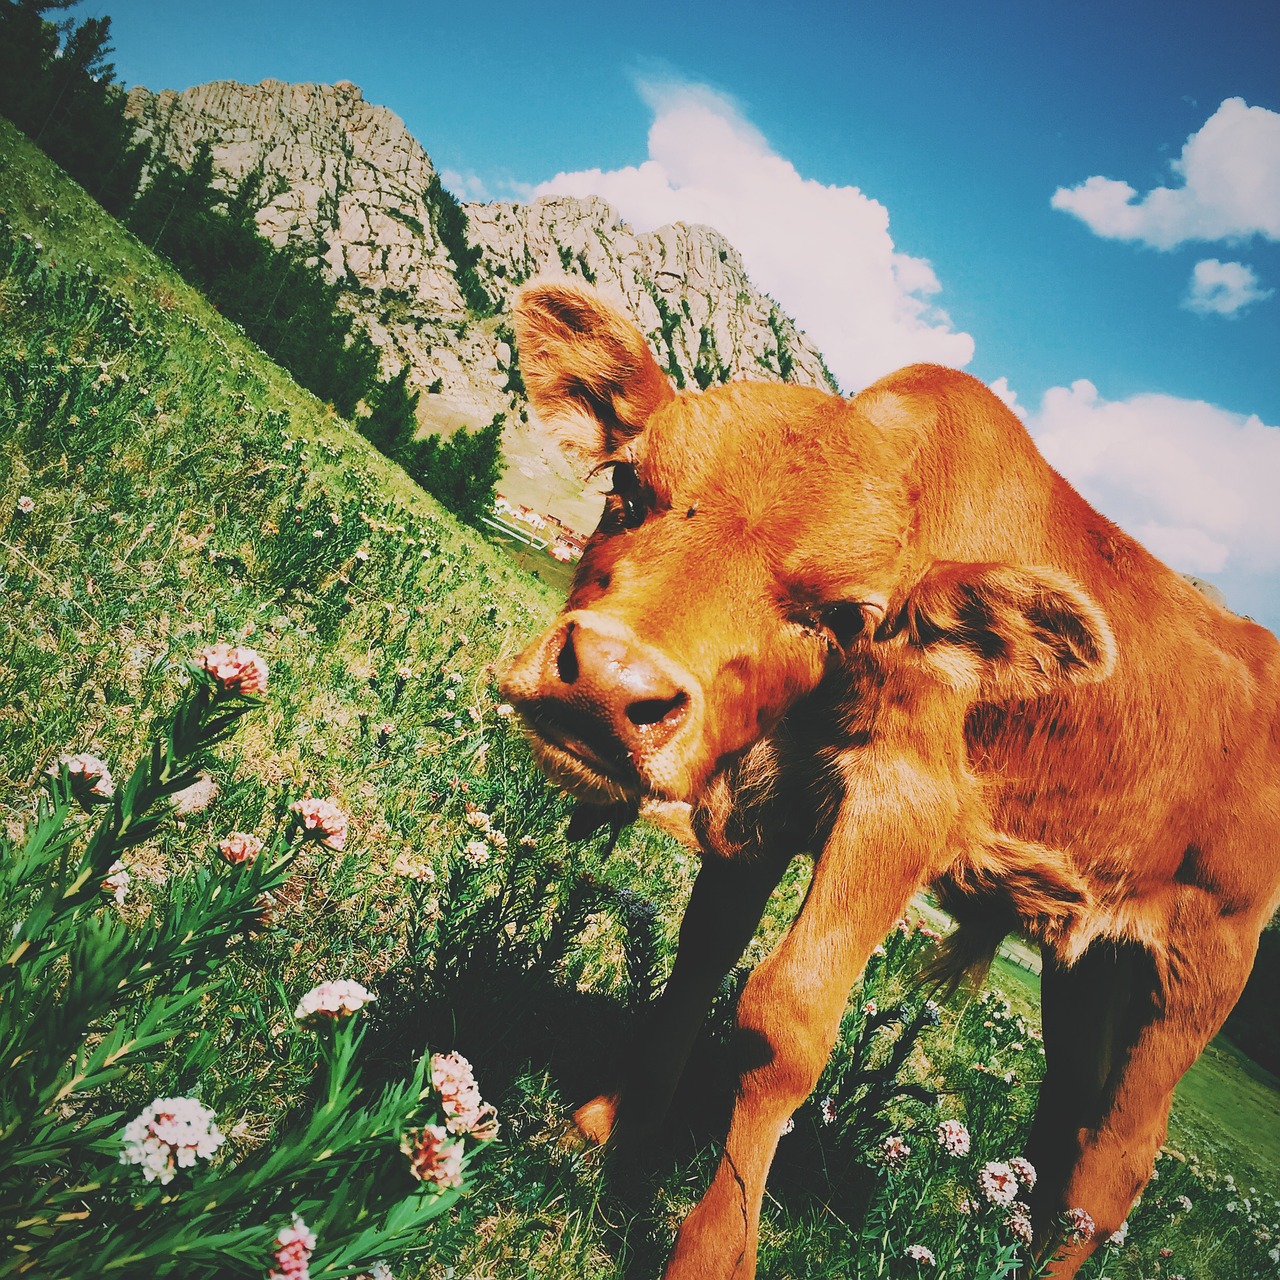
(432, 280)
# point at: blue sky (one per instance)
(920, 145)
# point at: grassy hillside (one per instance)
(184, 491)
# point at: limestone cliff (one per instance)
(432, 281)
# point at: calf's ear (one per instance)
(1004, 632)
(588, 370)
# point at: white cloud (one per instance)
(1223, 288)
(466, 186)
(1194, 483)
(1230, 190)
(824, 252)
(1006, 393)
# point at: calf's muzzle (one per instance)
(590, 688)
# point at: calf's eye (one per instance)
(627, 488)
(844, 622)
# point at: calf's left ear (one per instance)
(588, 370)
(1005, 632)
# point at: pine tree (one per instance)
(393, 421)
(57, 86)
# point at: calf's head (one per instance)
(755, 537)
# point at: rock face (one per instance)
(432, 281)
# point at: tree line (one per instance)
(58, 86)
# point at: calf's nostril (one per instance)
(567, 659)
(650, 711)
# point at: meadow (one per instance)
(164, 488)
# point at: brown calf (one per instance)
(885, 632)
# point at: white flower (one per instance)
(1024, 1171)
(1019, 1221)
(1119, 1235)
(998, 1183)
(894, 1151)
(169, 1135)
(117, 882)
(918, 1253)
(476, 853)
(465, 1111)
(1080, 1225)
(26, 505)
(332, 1000)
(828, 1109)
(953, 1138)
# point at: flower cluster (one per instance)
(1079, 1225)
(322, 821)
(920, 1253)
(239, 847)
(465, 1111)
(1024, 1171)
(998, 1182)
(294, 1246)
(89, 777)
(332, 1000)
(434, 1157)
(481, 821)
(894, 1151)
(169, 1135)
(953, 1138)
(116, 882)
(234, 668)
(1019, 1221)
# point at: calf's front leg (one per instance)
(728, 899)
(881, 849)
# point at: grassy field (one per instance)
(183, 490)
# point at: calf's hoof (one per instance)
(594, 1120)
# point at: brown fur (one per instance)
(885, 632)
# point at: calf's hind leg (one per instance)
(1195, 982)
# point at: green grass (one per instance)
(179, 482)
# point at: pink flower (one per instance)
(322, 820)
(26, 505)
(1019, 1220)
(1024, 1171)
(90, 779)
(894, 1151)
(235, 669)
(465, 1111)
(998, 1183)
(1080, 1226)
(919, 1253)
(239, 847)
(294, 1246)
(434, 1157)
(953, 1138)
(332, 1001)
